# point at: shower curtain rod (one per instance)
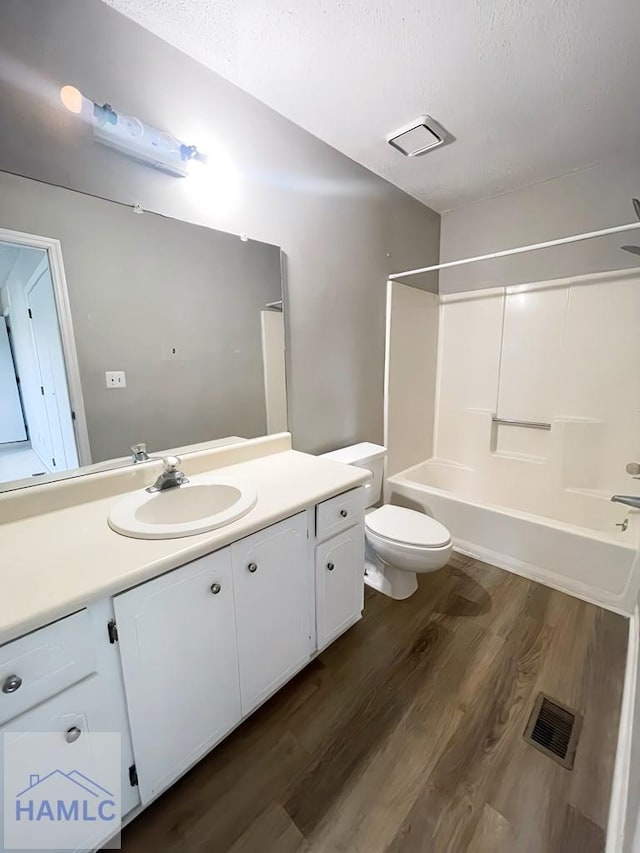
(574, 238)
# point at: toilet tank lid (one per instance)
(357, 454)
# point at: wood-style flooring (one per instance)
(405, 736)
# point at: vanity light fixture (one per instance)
(419, 136)
(132, 137)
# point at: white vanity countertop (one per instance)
(56, 562)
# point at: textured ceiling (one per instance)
(530, 90)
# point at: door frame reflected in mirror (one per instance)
(53, 252)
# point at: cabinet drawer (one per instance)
(339, 513)
(41, 664)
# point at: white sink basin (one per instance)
(204, 503)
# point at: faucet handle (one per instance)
(171, 463)
(633, 468)
(139, 451)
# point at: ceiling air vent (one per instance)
(421, 135)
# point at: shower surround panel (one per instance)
(565, 353)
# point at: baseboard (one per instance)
(532, 573)
(620, 786)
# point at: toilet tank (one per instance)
(365, 455)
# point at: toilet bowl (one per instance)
(401, 543)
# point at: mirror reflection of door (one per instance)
(12, 426)
(36, 425)
(54, 440)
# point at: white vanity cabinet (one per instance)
(191, 652)
(203, 645)
(272, 581)
(177, 640)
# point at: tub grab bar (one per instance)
(529, 424)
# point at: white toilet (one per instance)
(400, 543)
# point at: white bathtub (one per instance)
(593, 562)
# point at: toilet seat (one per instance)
(397, 524)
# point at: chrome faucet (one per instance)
(139, 452)
(627, 500)
(170, 477)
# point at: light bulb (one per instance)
(214, 179)
(71, 98)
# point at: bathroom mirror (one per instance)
(119, 327)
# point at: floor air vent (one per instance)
(554, 730)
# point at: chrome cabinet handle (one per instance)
(11, 684)
(344, 513)
(71, 735)
(253, 567)
(215, 588)
(331, 566)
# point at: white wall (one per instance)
(599, 197)
(412, 343)
(342, 228)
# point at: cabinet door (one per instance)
(272, 578)
(180, 664)
(72, 716)
(339, 583)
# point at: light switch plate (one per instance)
(115, 379)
